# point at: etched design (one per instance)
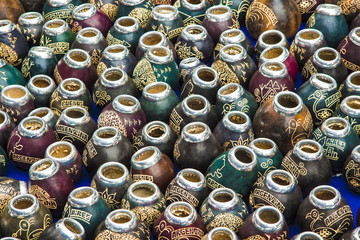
(57, 76)
(9, 55)
(143, 16)
(110, 118)
(43, 196)
(226, 219)
(327, 232)
(354, 178)
(101, 67)
(349, 6)
(329, 145)
(323, 113)
(146, 214)
(258, 12)
(138, 142)
(110, 199)
(191, 20)
(70, 134)
(226, 75)
(175, 194)
(163, 230)
(268, 90)
(311, 21)
(142, 177)
(25, 226)
(305, 6)
(176, 151)
(295, 169)
(26, 66)
(167, 31)
(351, 66)
(175, 121)
(266, 197)
(109, 235)
(143, 74)
(184, 51)
(309, 69)
(112, 40)
(101, 98)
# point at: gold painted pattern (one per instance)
(110, 118)
(60, 14)
(57, 76)
(167, 31)
(268, 90)
(109, 235)
(163, 230)
(311, 21)
(112, 40)
(184, 51)
(309, 69)
(26, 66)
(175, 122)
(267, 198)
(9, 55)
(228, 220)
(226, 75)
(91, 149)
(143, 16)
(26, 231)
(110, 199)
(142, 177)
(349, 6)
(305, 6)
(258, 12)
(43, 196)
(143, 74)
(70, 134)
(77, 214)
(295, 169)
(354, 178)
(101, 67)
(101, 98)
(174, 193)
(351, 66)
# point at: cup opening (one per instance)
(196, 129)
(2, 118)
(71, 227)
(121, 218)
(281, 179)
(108, 133)
(243, 156)
(274, 66)
(273, 53)
(229, 90)
(156, 131)
(266, 145)
(223, 197)
(192, 176)
(30, 16)
(32, 125)
(196, 104)
(83, 193)
(113, 172)
(117, 49)
(237, 119)
(78, 56)
(75, 114)
(127, 22)
(23, 203)
(143, 190)
(269, 217)
(222, 235)
(234, 50)
(113, 75)
(194, 30)
(43, 166)
(309, 148)
(355, 80)
(60, 151)
(145, 155)
(288, 101)
(206, 75)
(55, 24)
(72, 86)
(41, 113)
(325, 195)
(88, 33)
(327, 55)
(157, 88)
(84, 9)
(272, 38)
(353, 103)
(181, 211)
(309, 35)
(126, 102)
(324, 79)
(194, 1)
(14, 92)
(336, 125)
(165, 10)
(219, 10)
(152, 39)
(232, 34)
(41, 83)
(159, 52)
